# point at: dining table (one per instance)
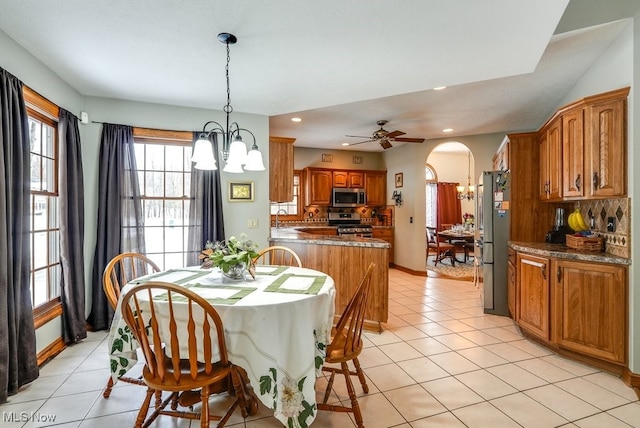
(277, 327)
(463, 236)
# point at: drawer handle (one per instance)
(578, 180)
(595, 181)
(543, 268)
(559, 274)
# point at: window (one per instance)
(44, 215)
(431, 188)
(164, 173)
(294, 207)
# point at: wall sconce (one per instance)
(397, 197)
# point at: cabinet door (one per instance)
(544, 167)
(511, 289)
(533, 295)
(386, 235)
(606, 148)
(356, 180)
(376, 188)
(573, 154)
(281, 169)
(340, 179)
(590, 309)
(551, 162)
(318, 187)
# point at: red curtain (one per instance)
(448, 206)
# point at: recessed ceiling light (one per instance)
(439, 88)
(296, 119)
(345, 144)
(447, 130)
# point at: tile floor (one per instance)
(439, 363)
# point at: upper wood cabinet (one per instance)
(318, 186)
(533, 313)
(590, 309)
(376, 187)
(573, 153)
(281, 169)
(606, 148)
(583, 149)
(551, 161)
(354, 179)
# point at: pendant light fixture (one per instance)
(467, 193)
(234, 150)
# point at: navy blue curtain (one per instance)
(71, 186)
(120, 221)
(18, 361)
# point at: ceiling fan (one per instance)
(385, 137)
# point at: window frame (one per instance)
(299, 204)
(149, 137)
(48, 113)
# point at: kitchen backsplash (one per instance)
(617, 242)
(384, 217)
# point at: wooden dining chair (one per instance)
(122, 269)
(442, 250)
(278, 255)
(182, 353)
(345, 346)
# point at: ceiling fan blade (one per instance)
(395, 134)
(361, 142)
(358, 136)
(385, 144)
(409, 140)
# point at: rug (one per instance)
(460, 270)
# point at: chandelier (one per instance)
(467, 193)
(234, 150)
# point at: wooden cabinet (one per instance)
(550, 161)
(353, 179)
(318, 186)
(606, 148)
(376, 187)
(590, 307)
(583, 149)
(281, 169)
(385, 234)
(533, 295)
(573, 154)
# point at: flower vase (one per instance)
(236, 272)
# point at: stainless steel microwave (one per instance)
(346, 197)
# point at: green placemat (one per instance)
(158, 276)
(314, 288)
(277, 270)
(199, 289)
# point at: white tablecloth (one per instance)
(277, 328)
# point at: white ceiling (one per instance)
(340, 65)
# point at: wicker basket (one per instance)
(585, 243)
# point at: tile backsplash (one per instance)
(617, 242)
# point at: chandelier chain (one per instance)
(228, 108)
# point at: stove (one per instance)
(349, 225)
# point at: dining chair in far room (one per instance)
(122, 269)
(345, 346)
(278, 255)
(442, 250)
(182, 339)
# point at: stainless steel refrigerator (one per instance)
(492, 233)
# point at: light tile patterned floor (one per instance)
(439, 363)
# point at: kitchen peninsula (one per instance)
(345, 259)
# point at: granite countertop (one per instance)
(292, 234)
(561, 251)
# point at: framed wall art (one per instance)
(241, 191)
(398, 179)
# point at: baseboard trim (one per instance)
(632, 379)
(410, 271)
(53, 349)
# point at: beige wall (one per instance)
(340, 159)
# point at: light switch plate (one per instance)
(252, 223)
